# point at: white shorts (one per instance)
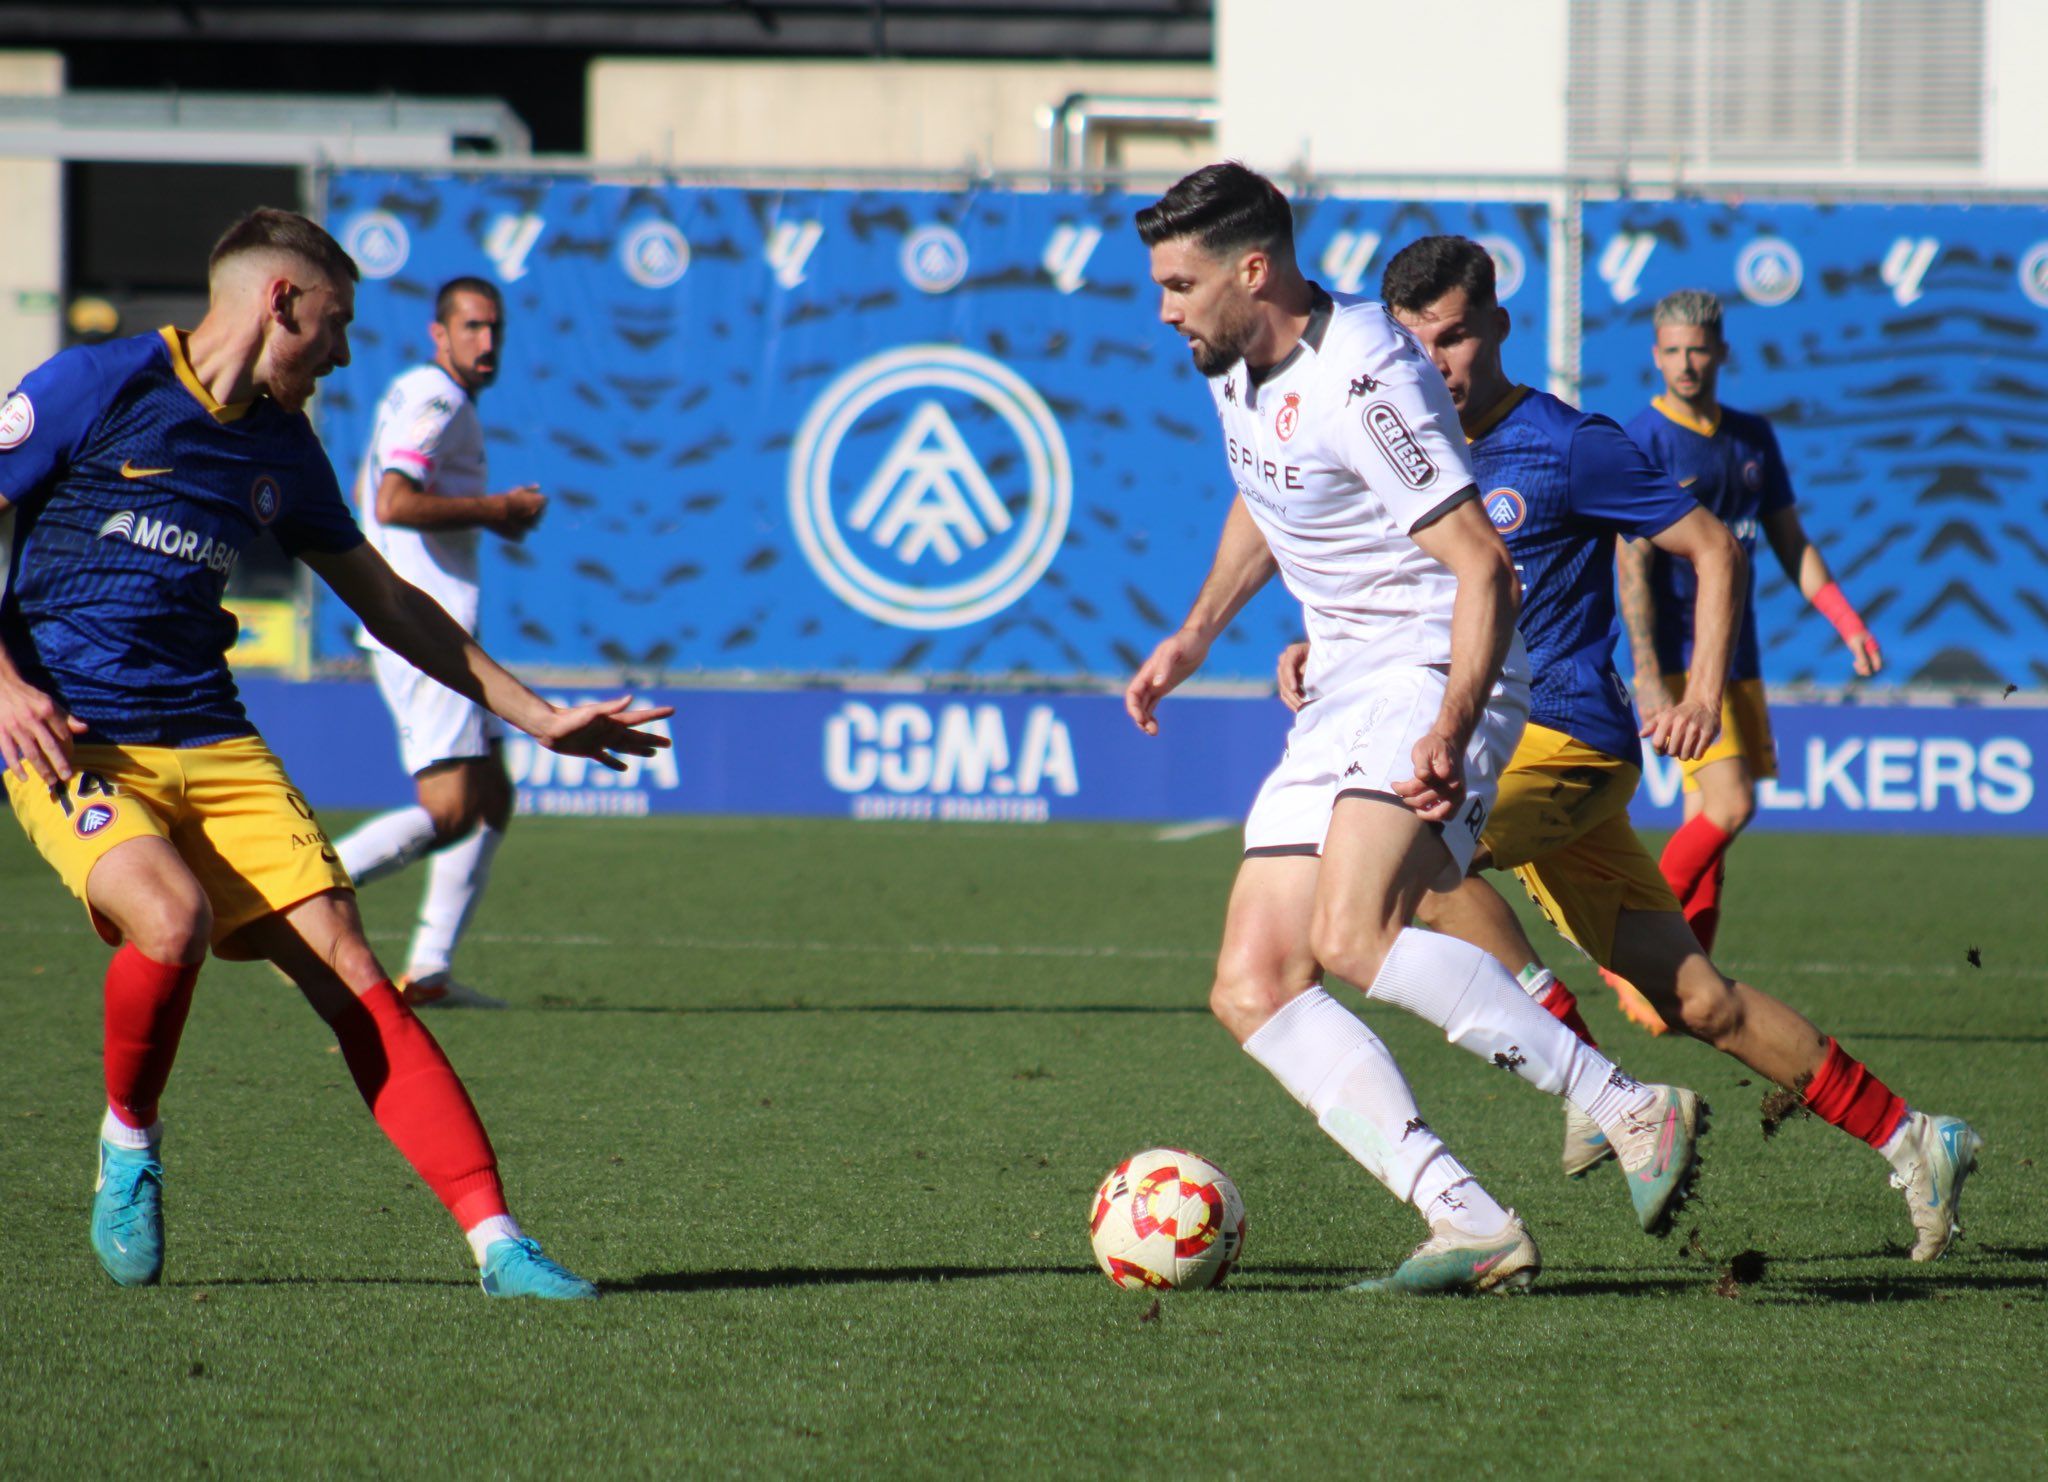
(1360, 740)
(434, 723)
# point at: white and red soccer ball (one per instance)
(1166, 1219)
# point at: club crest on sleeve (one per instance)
(265, 499)
(17, 420)
(1507, 509)
(1753, 474)
(1288, 417)
(94, 820)
(1399, 444)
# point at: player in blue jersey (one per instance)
(1729, 461)
(137, 473)
(1560, 486)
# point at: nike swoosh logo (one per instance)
(130, 471)
(1480, 1268)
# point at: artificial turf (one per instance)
(822, 1106)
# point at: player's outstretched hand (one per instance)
(1683, 730)
(523, 508)
(1653, 698)
(36, 732)
(1174, 660)
(1864, 647)
(1438, 786)
(1293, 669)
(602, 728)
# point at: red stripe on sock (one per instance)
(146, 1005)
(420, 1103)
(1692, 853)
(1845, 1094)
(1563, 1005)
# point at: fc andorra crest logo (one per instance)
(94, 820)
(930, 487)
(1507, 509)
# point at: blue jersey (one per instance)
(1559, 485)
(1734, 468)
(135, 493)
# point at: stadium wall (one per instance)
(1035, 758)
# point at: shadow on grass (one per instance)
(757, 1278)
(207, 1284)
(559, 1006)
(1915, 1036)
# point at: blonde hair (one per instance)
(1694, 306)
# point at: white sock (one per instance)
(1336, 1067)
(121, 1135)
(488, 1232)
(455, 883)
(386, 844)
(1465, 993)
(1894, 1148)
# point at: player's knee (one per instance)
(1353, 950)
(174, 927)
(1709, 1008)
(1732, 811)
(453, 820)
(1243, 999)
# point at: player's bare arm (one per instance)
(1243, 564)
(35, 731)
(1291, 673)
(1639, 621)
(415, 627)
(402, 501)
(1482, 628)
(1804, 563)
(1690, 723)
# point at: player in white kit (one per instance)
(1354, 485)
(422, 498)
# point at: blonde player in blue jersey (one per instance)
(1561, 486)
(1729, 461)
(137, 472)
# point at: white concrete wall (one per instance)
(2016, 106)
(1393, 87)
(31, 233)
(863, 115)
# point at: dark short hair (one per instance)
(444, 301)
(1426, 270)
(1225, 208)
(267, 229)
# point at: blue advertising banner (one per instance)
(1902, 353)
(840, 432)
(1035, 758)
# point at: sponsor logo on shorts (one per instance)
(265, 499)
(1399, 444)
(1289, 416)
(94, 820)
(17, 420)
(1507, 509)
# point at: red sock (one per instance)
(1562, 1005)
(146, 1004)
(1703, 907)
(1845, 1094)
(419, 1101)
(1692, 868)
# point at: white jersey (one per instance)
(427, 429)
(1339, 451)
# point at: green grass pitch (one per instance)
(822, 1106)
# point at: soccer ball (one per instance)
(1165, 1218)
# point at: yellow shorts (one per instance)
(1745, 731)
(228, 809)
(1561, 824)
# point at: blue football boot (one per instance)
(128, 1214)
(516, 1268)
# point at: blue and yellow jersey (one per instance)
(135, 493)
(1559, 485)
(1732, 466)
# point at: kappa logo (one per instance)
(1067, 253)
(168, 539)
(94, 820)
(923, 538)
(933, 259)
(1906, 264)
(1360, 386)
(789, 250)
(1347, 257)
(510, 241)
(1769, 272)
(1507, 509)
(17, 420)
(655, 254)
(1288, 418)
(1399, 445)
(378, 242)
(1622, 262)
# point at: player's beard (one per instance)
(1216, 353)
(293, 378)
